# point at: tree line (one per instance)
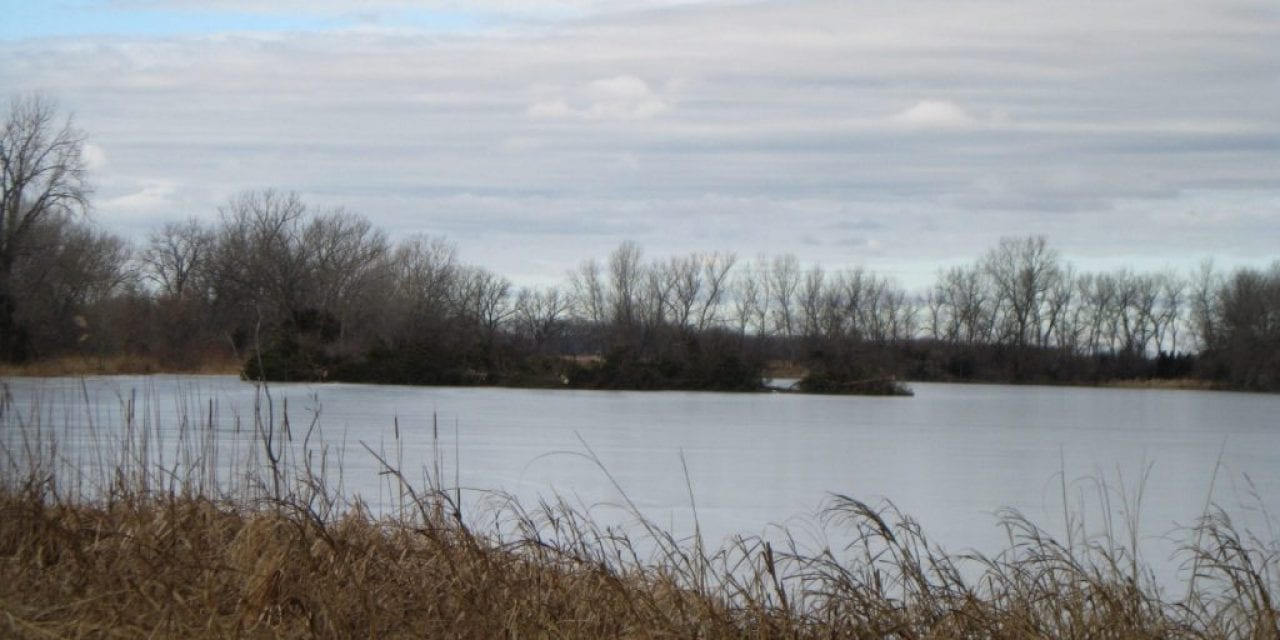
(299, 293)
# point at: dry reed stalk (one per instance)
(162, 552)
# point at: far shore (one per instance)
(113, 366)
(70, 366)
(1186, 384)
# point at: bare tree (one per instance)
(655, 304)
(1059, 328)
(1172, 297)
(72, 269)
(1023, 271)
(483, 298)
(748, 301)
(1245, 339)
(1095, 292)
(42, 175)
(626, 278)
(539, 316)
(782, 280)
(261, 267)
(1205, 287)
(715, 273)
(684, 279)
(342, 247)
(176, 256)
(974, 304)
(812, 293)
(424, 270)
(587, 285)
(345, 256)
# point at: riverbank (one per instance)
(137, 365)
(1185, 384)
(115, 365)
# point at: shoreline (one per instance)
(72, 366)
(66, 366)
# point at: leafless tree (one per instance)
(1172, 298)
(73, 269)
(1059, 331)
(588, 292)
(260, 266)
(176, 257)
(540, 315)
(715, 275)
(683, 278)
(965, 304)
(654, 305)
(626, 277)
(1244, 342)
(1023, 272)
(42, 175)
(1096, 293)
(346, 259)
(749, 301)
(423, 270)
(812, 293)
(783, 280)
(1205, 286)
(483, 298)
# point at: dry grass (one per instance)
(222, 364)
(156, 553)
(1192, 384)
(785, 369)
(194, 568)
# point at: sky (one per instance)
(899, 135)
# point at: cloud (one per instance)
(147, 197)
(945, 115)
(94, 156)
(717, 125)
(934, 114)
(622, 97)
(1057, 190)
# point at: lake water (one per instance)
(951, 456)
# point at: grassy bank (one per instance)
(70, 365)
(153, 549)
(1186, 384)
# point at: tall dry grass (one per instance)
(150, 546)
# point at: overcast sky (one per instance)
(900, 135)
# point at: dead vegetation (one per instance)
(212, 363)
(160, 551)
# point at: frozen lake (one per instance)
(951, 456)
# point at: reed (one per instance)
(189, 544)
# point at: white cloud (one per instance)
(622, 97)
(94, 156)
(148, 197)
(934, 114)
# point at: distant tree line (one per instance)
(296, 293)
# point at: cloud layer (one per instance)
(897, 136)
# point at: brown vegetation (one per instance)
(1190, 384)
(153, 551)
(109, 365)
(192, 566)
